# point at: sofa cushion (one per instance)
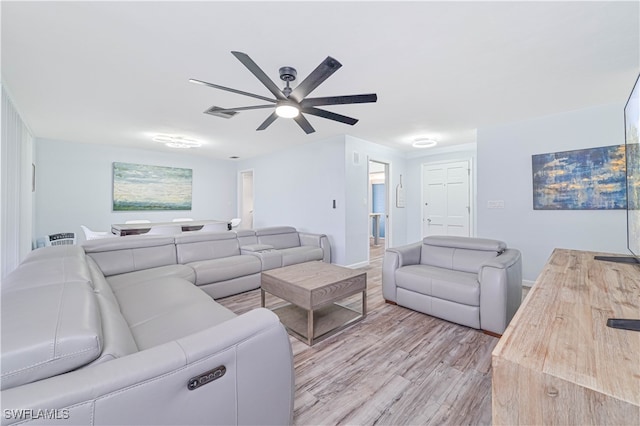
(246, 237)
(100, 284)
(280, 237)
(226, 268)
(198, 246)
(132, 253)
(117, 338)
(48, 330)
(167, 309)
(459, 253)
(293, 255)
(177, 271)
(455, 286)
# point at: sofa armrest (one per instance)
(317, 240)
(500, 290)
(395, 258)
(150, 387)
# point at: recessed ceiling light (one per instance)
(234, 157)
(176, 141)
(424, 143)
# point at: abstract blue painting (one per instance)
(585, 179)
(142, 187)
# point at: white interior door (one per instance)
(446, 199)
(246, 199)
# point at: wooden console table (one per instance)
(558, 362)
(123, 229)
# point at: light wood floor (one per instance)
(396, 367)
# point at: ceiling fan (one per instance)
(291, 102)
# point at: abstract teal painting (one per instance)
(143, 187)
(585, 179)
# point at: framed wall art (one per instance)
(144, 187)
(585, 179)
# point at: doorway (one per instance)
(446, 198)
(379, 226)
(246, 199)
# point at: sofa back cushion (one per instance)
(131, 253)
(247, 237)
(48, 330)
(459, 253)
(197, 246)
(280, 237)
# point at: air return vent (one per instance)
(214, 110)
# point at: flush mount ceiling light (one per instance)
(174, 141)
(424, 143)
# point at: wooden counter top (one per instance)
(558, 362)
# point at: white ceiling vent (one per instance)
(214, 110)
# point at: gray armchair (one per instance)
(475, 282)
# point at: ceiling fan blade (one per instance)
(260, 75)
(339, 100)
(317, 76)
(228, 89)
(330, 115)
(247, 108)
(266, 123)
(304, 123)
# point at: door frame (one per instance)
(472, 191)
(388, 213)
(240, 205)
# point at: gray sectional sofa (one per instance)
(116, 332)
(475, 282)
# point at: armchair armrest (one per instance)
(317, 240)
(407, 255)
(150, 386)
(500, 290)
(395, 258)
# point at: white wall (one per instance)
(412, 183)
(74, 186)
(357, 198)
(297, 186)
(16, 155)
(504, 173)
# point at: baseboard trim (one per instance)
(527, 283)
(358, 265)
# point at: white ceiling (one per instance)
(117, 72)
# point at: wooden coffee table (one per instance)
(312, 290)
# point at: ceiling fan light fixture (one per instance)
(424, 143)
(287, 111)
